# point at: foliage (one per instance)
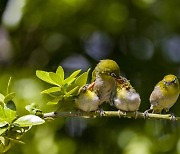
(12, 127)
(142, 36)
(62, 89)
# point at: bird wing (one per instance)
(156, 95)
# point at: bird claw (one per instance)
(79, 113)
(135, 114)
(121, 113)
(146, 114)
(101, 112)
(172, 117)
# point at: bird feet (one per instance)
(173, 117)
(146, 113)
(135, 114)
(101, 112)
(120, 113)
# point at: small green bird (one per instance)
(165, 94)
(103, 77)
(87, 99)
(126, 97)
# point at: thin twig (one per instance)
(109, 114)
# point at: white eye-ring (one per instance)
(174, 81)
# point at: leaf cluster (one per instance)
(13, 127)
(62, 88)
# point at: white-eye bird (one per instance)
(126, 97)
(165, 94)
(103, 77)
(87, 100)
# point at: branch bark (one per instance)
(109, 114)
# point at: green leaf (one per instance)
(71, 78)
(2, 98)
(54, 101)
(82, 79)
(56, 78)
(32, 108)
(10, 115)
(2, 114)
(60, 73)
(7, 114)
(9, 97)
(45, 77)
(72, 91)
(2, 130)
(3, 123)
(29, 120)
(51, 90)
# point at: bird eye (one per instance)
(165, 82)
(174, 81)
(113, 75)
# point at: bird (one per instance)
(87, 100)
(103, 77)
(126, 98)
(164, 95)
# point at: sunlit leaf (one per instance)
(3, 123)
(51, 90)
(29, 120)
(56, 78)
(9, 97)
(2, 98)
(82, 79)
(10, 115)
(60, 73)
(45, 77)
(71, 78)
(2, 114)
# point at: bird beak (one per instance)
(167, 83)
(91, 86)
(120, 80)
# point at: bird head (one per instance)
(170, 80)
(108, 68)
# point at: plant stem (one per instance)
(109, 114)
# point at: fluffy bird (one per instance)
(87, 99)
(164, 95)
(103, 77)
(126, 97)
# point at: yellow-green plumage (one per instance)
(87, 99)
(103, 76)
(106, 67)
(126, 98)
(165, 94)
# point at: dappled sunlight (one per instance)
(141, 36)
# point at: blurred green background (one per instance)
(142, 36)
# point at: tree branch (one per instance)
(109, 114)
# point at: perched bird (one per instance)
(103, 77)
(87, 100)
(164, 95)
(126, 97)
